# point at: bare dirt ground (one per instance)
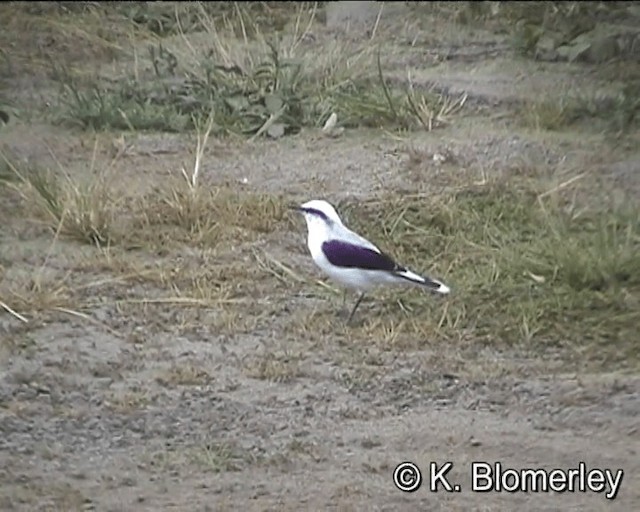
(153, 406)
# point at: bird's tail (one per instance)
(431, 284)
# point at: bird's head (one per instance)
(318, 212)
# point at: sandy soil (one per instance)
(161, 407)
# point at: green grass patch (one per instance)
(530, 271)
(272, 83)
(613, 113)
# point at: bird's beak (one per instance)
(294, 207)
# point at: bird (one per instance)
(350, 259)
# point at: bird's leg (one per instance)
(355, 307)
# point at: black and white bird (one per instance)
(351, 260)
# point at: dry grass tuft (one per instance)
(128, 401)
(26, 293)
(186, 373)
(275, 366)
(203, 214)
(219, 457)
(321, 325)
(81, 210)
(209, 215)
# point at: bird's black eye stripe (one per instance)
(314, 211)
